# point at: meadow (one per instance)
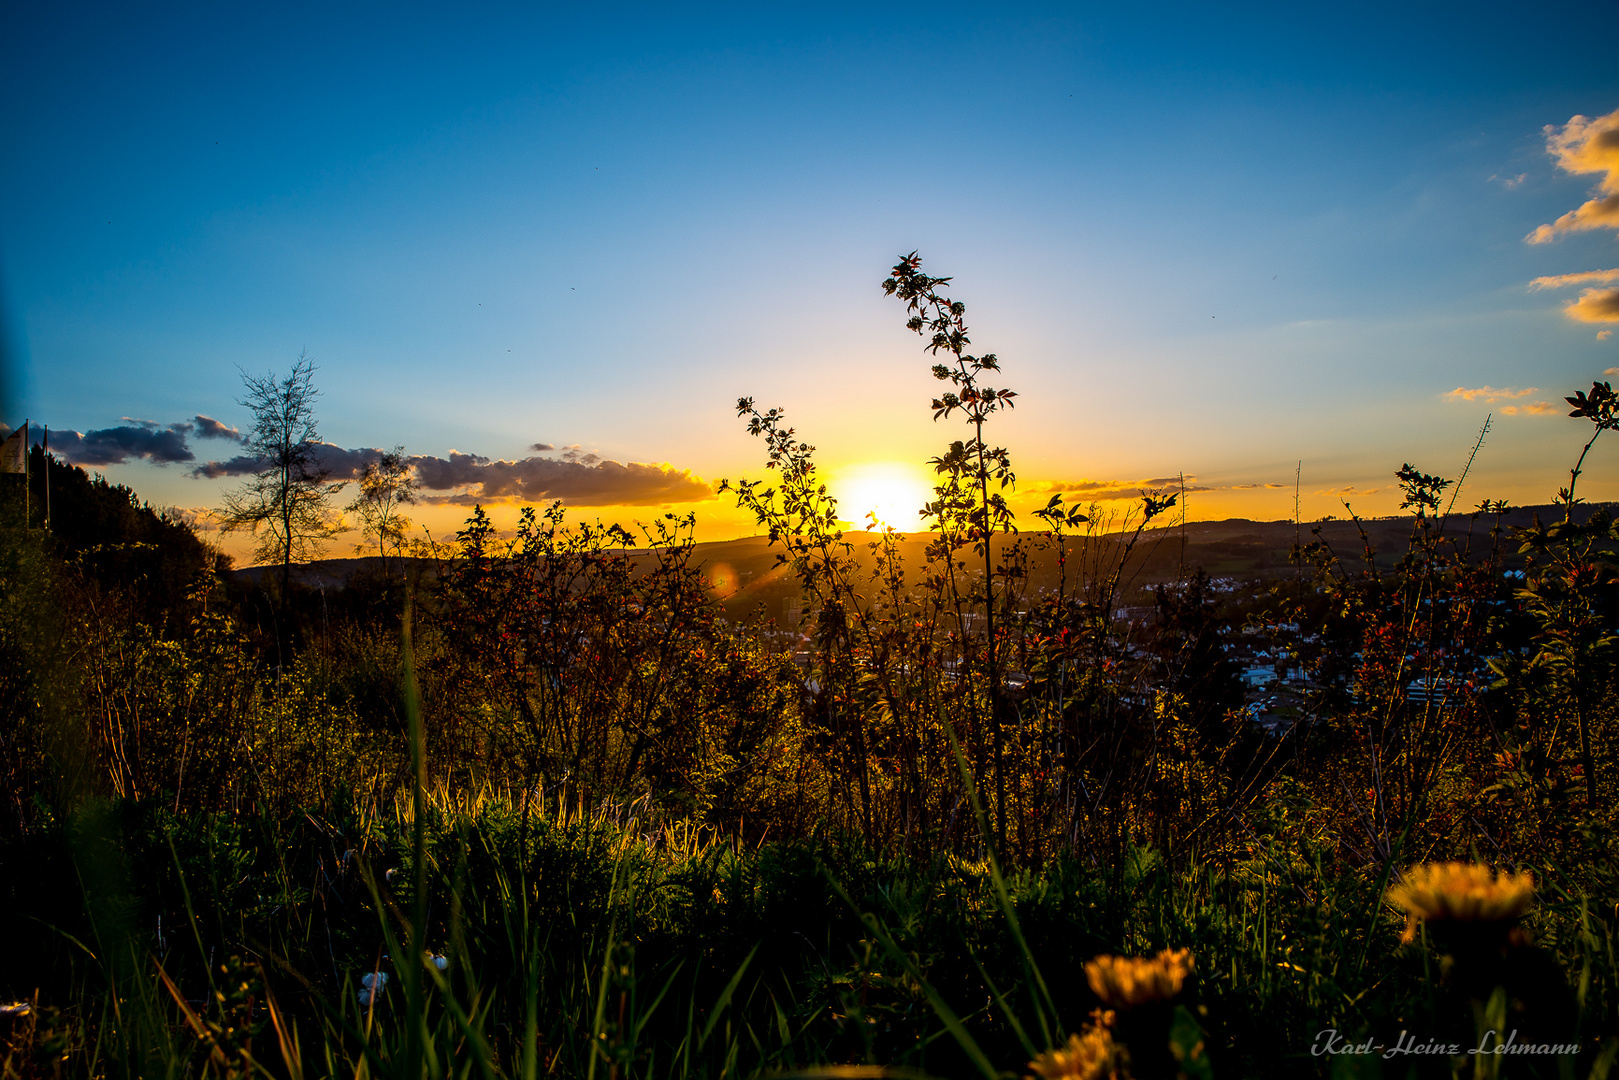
(546, 803)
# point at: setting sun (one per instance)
(894, 493)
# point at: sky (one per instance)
(1253, 256)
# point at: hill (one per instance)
(745, 572)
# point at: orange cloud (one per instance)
(1345, 491)
(1584, 145)
(1534, 408)
(1103, 490)
(1587, 277)
(1487, 394)
(1594, 305)
(1604, 335)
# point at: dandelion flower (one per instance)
(1125, 981)
(1092, 1055)
(1458, 892)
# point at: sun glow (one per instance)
(894, 493)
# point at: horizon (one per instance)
(548, 251)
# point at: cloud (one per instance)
(1587, 277)
(138, 439)
(1511, 182)
(1487, 394)
(341, 465)
(541, 447)
(1604, 335)
(1247, 487)
(207, 427)
(1490, 394)
(241, 465)
(577, 476)
(1586, 146)
(1533, 408)
(580, 478)
(1347, 491)
(1104, 490)
(1594, 305)
(199, 518)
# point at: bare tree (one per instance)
(387, 484)
(287, 505)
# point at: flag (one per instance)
(14, 451)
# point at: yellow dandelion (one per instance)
(1124, 981)
(1090, 1055)
(1460, 892)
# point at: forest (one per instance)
(1041, 796)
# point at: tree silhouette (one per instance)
(286, 506)
(387, 484)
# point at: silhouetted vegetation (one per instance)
(549, 803)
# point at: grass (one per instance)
(604, 945)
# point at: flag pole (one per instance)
(27, 505)
(45, 463)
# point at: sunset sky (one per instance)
(1221, 249)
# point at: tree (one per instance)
(287, 505)
(387, 484)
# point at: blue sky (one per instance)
(1201, 242)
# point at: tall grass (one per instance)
(599, 943)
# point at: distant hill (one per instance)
(745, 573)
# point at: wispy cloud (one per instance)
(1345, 492)
(1584, 146)
(1586, 277)
(1533, 408)
(1107, 490)
(1510, 182)
(1104, 490)
(1604, 335)
(1487, 394)
(1594, 305)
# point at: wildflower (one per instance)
(439, 960)
(1091, 1055)
(1125, 981)
(1460, 892)
(374, 983)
